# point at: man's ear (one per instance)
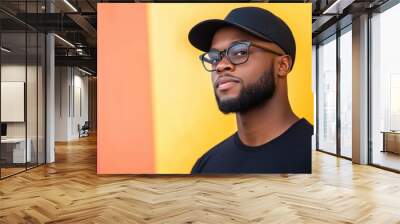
(284, 65)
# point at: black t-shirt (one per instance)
(290, 152)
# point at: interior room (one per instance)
(49, 127)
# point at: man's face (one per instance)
(239, 88)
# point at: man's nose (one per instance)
(224, 65)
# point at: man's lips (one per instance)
(224, 83)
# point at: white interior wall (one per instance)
(61, 103)
(314, 88)
(70, 83)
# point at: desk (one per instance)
(391, 141)
(16, 147)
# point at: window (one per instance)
(385, 89)
(346, 92)
(327, 95)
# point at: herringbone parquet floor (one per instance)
(69, 191)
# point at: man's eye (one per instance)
(240, 53)
(214, 60)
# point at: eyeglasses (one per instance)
(237, 53)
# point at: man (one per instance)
(249, 55)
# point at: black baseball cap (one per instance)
(256, 21)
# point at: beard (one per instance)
(251, 96)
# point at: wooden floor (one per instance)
(388, 159)
(69, 191)
(10, 171)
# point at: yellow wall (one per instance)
(186, 117)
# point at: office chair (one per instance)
(84, 130)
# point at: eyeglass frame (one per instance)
(223, 53)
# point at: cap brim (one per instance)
(201, 35)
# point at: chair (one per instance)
(84, 130)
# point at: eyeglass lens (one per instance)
(237, 54)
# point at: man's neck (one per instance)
(262, 124)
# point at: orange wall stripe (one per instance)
(125, 137)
